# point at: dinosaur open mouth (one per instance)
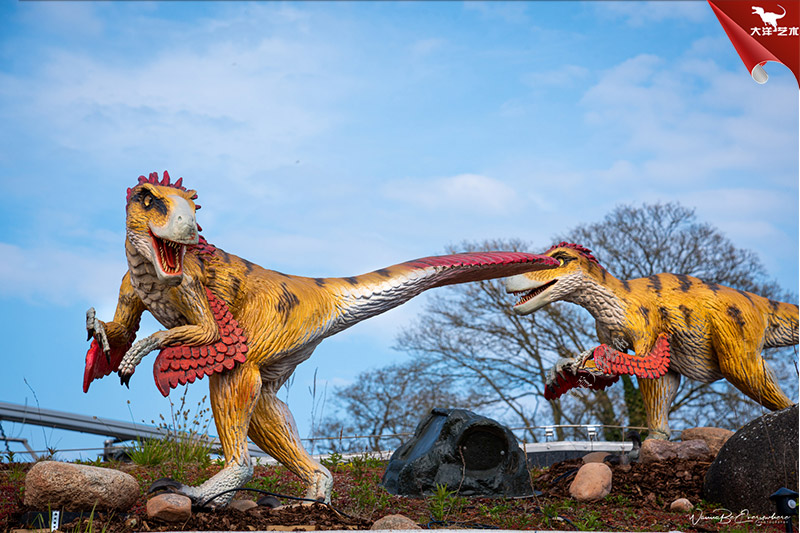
(169, 254)
(533, 292)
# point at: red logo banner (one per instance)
(761, 32)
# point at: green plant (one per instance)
(550, 513)
(150, 452)
(618, 499)
(444, 501)
(185, 441)
(269, 482)
(590, 521)
(364, 461)
(494, 511)
(332, 461)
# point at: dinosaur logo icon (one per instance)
(768, 18)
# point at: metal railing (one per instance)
(119, 430)
(129, 431)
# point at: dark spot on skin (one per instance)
(687, 314)
(225, 256)
(664, 312)
(284, 275)
(235, 285)
(655, 283)
(287, 300)
(713, 287)
(248, 265)
(383, 272)
(646, 314)
(320, 282)
(626, 285)
(212, 275)
(128, 300)
(774, 306)
(736, 314)
(603, 274)
(685, 282)
(746, 295)
(351, 280)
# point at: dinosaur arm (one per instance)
(651, 364)
(191, 301)
(110, 340)
(601, 367)
(368, 295)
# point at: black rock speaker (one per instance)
(468, 453)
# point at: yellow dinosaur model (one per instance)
(245, 327)
(676, 326)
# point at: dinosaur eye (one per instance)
(147, 200)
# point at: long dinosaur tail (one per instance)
(782, 325)
(370, 294)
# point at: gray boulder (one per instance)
(713, 437)
(656, 451)
(75, 487)
(756, 461)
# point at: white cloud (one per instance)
(563, 76)
(513, 12)
(464, 192)
(61, 276)
(643, 13)
(686, 122)
(248, 104)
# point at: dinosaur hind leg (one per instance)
(273, 429)
(233, 397)
(658, 395)
(752, 375)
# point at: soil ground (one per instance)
(639, 501)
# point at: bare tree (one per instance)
(383, 406)
(469, 340)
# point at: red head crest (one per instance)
(153, 178)
(587, 253)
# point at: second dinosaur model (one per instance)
(676, 325)
(245, 327)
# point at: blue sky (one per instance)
(332, 139)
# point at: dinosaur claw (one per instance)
(124, 379)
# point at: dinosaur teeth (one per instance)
(169, 255)
(534, 292)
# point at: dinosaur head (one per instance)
(539, 288)
(161, 224)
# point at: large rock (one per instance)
(591, 483)
(681, 505)
(713, 437)
(170, 507)
(466, 452)
(656, 451)
(74, 487)
(759, 459)
(395, 521)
